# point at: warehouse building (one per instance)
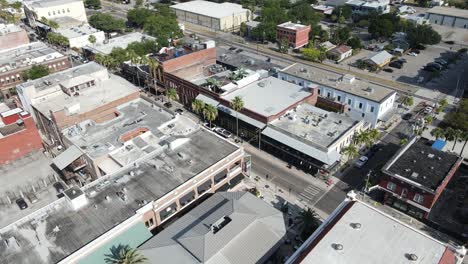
(217, 17)
(446, 16)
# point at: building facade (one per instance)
(78, 36)
(211, 15)
(54, 9)
(14, 62)
(296, 34)
(365, 7)
(447, 16)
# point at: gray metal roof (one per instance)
(191, 240)
(296, 143)
(448, 11)
(210, 9)
(67, 157)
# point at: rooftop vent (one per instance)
(422, 151)
(303, 70)
(414, 175)
(338, 247)
(412, 257)
(407, 170)
(356, 226)
(414, 161)
(430, 155)
(261, 84)
(218, 225)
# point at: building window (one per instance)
(328, 94)
(151, 222)
(58, 12)
(63, 11)
(360, 105)
(349, 101)
(48, 13)
(418, 198)
(338, 98)
(372, 109)
(363, 115)
(68, 10)
(53, 12)
(391, 186)
(318, 91)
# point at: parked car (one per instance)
(402, 60)
(413, 54)
(407, 116)
(209, 126)
(168, 104)
(396, 64)
(441, 62)
(21, 203)
(428, 110)
(32, 198)
(223, 132)
(361, 161)
(416, 51)
(122, 195)
(239, 50)
(232, 48)
(387, 70)
(59, 187)
(431, 67)
(179, 111)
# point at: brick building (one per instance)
(18, 135)
(296, 34)
(15, 61)
(416, 176)
(63, 99)
(12, 36)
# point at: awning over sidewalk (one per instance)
(67, 157)
(207, 100)
(242, 117)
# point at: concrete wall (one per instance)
(14, 39)
(448, 21)
(227, 23)
(75, 10)
(19, 144)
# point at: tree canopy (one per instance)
(106, 22)
(94, 4)
(36, 72)
(138, 16)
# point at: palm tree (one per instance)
(350, 151)
(237, 104)
(438, 133)
(449, 134)
(464, 137)
(154, 70)
(198, 106)
(239, 74)
(213, 84)
(408, 101)
(457, 133)
(308, 222)
(210, 112)
(171, 94)
(92, 39)
(373, 135)
(99, 58)
(124, 255)
(134, 60)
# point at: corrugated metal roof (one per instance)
(67, 157)
(327, 158)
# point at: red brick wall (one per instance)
(191, 64)
(429, 198)
(21, 143)
(13, 40)
(447, 179)
(296, 38)
(302, 37)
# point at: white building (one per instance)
(364, 7)
(106, 47)
(79, 36)
(447, 16)
(215, 16)
(363, 100)
(54, 9)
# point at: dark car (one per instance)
(407, 116)
(387, 70)
(168, 104)
(232, 48)
(179, 111)
(21, 203)
(396, 64)
(59, 187)
(239, 50)
(416, 51)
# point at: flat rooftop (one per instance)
(245, 60)
(358, 87)
(118, 42)
(9, 28)
(240, 219)
(106, 89)
(98, 139)
(269, 96)
(60, 231)
(419, 162)
(448, 11)
(48, 3)
(26, 55)
(315, 125)
(293, 26)
(210, 9)
(21, 175)
(77, 31)
(361, 234)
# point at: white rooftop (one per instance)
(9, 28)
(27, 54)
(77, 31)
(380, 238)
(210, 9)
(293, 26)
(448, 11)
(118, 42)
(269, 96)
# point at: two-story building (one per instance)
(361, 100)
(416, 176)
(365, 7)
(15, 61)
(35, 10)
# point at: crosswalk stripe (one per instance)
(308, 196)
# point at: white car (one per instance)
(413, 54)
(428, 110)
(361, 161)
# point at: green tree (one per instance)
(350, 151)
(124, 255)
(408, 101)
(438, 133)
(210, 113)
(237, 104)
(354, 43)
(443, 103)
(449, 134)
(374, 135)
(92, 39)
(422, 35)
(93, 4)
(314, 54)
(171, 94)
(144, 47)
(429, 120)
(138, 16)
(283, 45)
(213, 84)
(198, 106)
(381, 27)
(459, 118)
(243, 29)
(308, 221)
(138, 3)
(403, 141)
(457, 134)
(363, 23)
(343, 11)
(57, 39)
(341, 35)
(165, 28)
(463, 137)
(36, 72)
(106, 22)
